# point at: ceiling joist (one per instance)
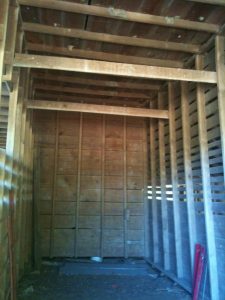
(109, 68)
(98, 82)
(97, 109)
(119, 14)
(89, 54)
(109, 38)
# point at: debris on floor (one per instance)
(53, 284)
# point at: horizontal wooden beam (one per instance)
(80, 53)
(214, 2)
(98, 82)
(109, 38)
(88, 91)
(119, 14)
(109, 68)
(97, 109)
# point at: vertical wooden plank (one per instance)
(78, 182)
(102, 185)
(188, 169)
(52, 228)
(164, 208)
(206, 185)
(174, 179)
(126, 213)
(153, 187)
(220, 68)
(145, 195)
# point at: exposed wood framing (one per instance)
(164, 208)
(188, 170)
(78, 183)
(220, 67)
(71, 51)
(99, 109)
(206, 185)
(109, 38)
(153, 189)
(89, 91)
(98, 82)
(174, 179)
(120, 14)
(125, 186)
(214, 2)
(117, 69)
(102, 186)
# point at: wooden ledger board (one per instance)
(92, 179)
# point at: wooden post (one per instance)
(188, 170)
(220, 67)
(102, 186)
(125, 184)
(153, 185)
(174, 181)
(78, 182)
(164, 208)
(52, 229)
(206, 185)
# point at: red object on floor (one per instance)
(198, 270)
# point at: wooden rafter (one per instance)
(109, 68)
(97, 109)
(80, 53)
(98, 82)
(119, 14)
(214, 2)
(110, 38)
(88, 91)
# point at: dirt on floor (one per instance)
(52, 284)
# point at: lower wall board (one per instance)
(91, 185)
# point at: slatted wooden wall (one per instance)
(185, 169)
(92, 184)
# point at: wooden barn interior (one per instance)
(112, 136)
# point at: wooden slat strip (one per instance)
(109, 68)
(125, 186)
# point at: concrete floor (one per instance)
(110, 280)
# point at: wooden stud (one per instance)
(89, 54)
(188, 170)
(119, 14)
(153, 188)
(174, 181)
(164, 208)
(109, 68)
(220, 67)
(102, 187)
(54, 187)
(206, 185)
(78, 182)
(99, 109)
(109, 38)
(125, 185)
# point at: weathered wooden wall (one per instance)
(92, 184)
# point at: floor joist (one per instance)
(109, 68)
(119, 14)
(97, 109)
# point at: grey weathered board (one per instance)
(83, 210)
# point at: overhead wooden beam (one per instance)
(80, 53)
(88, 91)
(98, 82)
(214, 2)
(119, 14)
(97, 109)
(109, 68)
(109, 38)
